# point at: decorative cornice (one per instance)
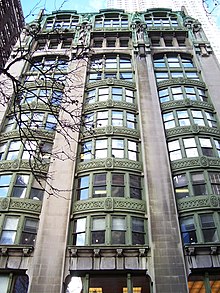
(111, 130)
(23, 165)
(180, 81)
(110, 82)
(186, 103)
(109, 163)
(198, 162)
(16, 250)
(109, 104)
(30, 206)
(36, 133)
(109, 204)
(198, 202)
(193, 129)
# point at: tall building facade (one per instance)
(110, 156)
(12, 21)
(194, 8)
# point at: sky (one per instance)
(32, 7)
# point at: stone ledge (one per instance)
(15, 250)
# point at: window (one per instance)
(98, 230)
(135, 187)
(138, 233)
(174, 67)
(188, 117)
(117, 94)
(13, 150)
(215, 182)
(4, 185)
(118, 148)
(86, 152)
(181, 186)
(208, 228)
(102, 119)
(206, 147)
(101, 148)
(199, 184)
(166, 20)
(13, 283)
(190, 147)
(83, 188)
(132, 150)
(116, 67)
(99, 185)
(49, 64)
(61, 22)
(109, 184)
(47, 96)
(111, 20)
(9, 230)
(79, 232)
(174, 150)
(28, 235)
(117, 185)
(118, 230)
(20, 186)
(188, 230)
(182, 92)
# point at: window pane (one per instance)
(181, 186)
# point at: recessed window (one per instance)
(4, 185)
(9, 230)
(181, 186)
(99, 185)
(20, 186)
(98, 231)
(116, 67)
(83, 188)
(79, 232)
(188, 230)
(138, 232)
(117, 185)
(208, 228)
(135, 187)
(118, 230)
(29, 232)
(199, 184)
(215, 182)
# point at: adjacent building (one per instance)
(110, 156)
(194, 8)
(11, 23)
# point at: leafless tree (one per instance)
(56, 85)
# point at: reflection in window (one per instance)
(4, 185)
(188, 230)
(208, 228)
(138, 233)
(118, 230)
(99, 185)
(98, 231)
(181, 186)
(29, 232)
(9, 230)
(79, 232)
(75, 285)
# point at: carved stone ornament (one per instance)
(214, 201)
(195, 128)
(109, 204)
(32, 29)
(204, 162)
(4, 204)
(109, 163)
